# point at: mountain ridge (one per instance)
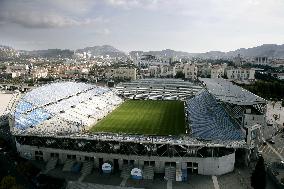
(268, 50)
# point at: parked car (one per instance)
(271, 141)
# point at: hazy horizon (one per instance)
(135, 49)
(184, 25)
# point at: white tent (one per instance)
(136, 173)
(106, 168)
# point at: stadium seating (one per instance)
(156, 89)
(63, 108)
(209, 120)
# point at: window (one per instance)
(125, 162)
(71, 156)
(146, 163)
(253, 134)
(38, 153)
(87, 158)
(192, 165)
(39, 158)
(173, 164)
(56, 155)
(131, 162)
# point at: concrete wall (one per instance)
(206, 166)
(217, 166)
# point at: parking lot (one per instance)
(273, 151)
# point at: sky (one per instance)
(185, 25)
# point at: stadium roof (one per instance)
(228, 92)
(161, 83)
(62, 108)
(209, 121)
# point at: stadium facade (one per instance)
(223, 123)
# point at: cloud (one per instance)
(129, 4)
(46, 14)
(104, 31)
(44, 20)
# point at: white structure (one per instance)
(122, 73)
(39, 72)
(154, 71)
(178, 68)
(17, 70)
(190, 71)
(217, 71)
(261, 60)
(240, 74)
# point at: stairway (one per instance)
(68, 165)
(51, 164)
(126, 169)
(170, 173)
(148, 172)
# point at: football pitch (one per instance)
(149, 117)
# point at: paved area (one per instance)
(215, 182)
(275, 109)
(195, 182)
(149, 184)
(58, 173)
(238, 179)
(98, 178)
(123, 182)
(273, 152)
(169, 184)
(80, 185)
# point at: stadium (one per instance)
(164, 126)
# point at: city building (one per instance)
(124, 73)
(217, 71)
(190, 71)
(240, 74)
(261, 60)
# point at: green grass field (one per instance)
(147, 117)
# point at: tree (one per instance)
(258, 177)
(7, 182)
(282, 180)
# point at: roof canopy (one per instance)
(228, 92)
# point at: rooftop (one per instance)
(226, 91)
